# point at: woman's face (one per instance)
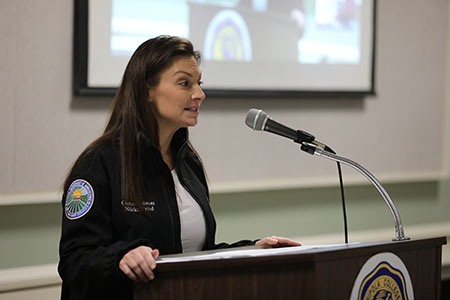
(178, 95)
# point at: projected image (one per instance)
(135, 21)
(333, 32)
(304, 31)
(227, 38)
(246, 45)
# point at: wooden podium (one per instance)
(321, 273)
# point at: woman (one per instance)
(139, 190)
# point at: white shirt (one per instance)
(193, 226)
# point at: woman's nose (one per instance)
(198, 94)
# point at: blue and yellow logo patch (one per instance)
(79, 199)
(384, 282)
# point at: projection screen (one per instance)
(248, 47)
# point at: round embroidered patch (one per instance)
(79, 200)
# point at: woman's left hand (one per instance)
(276, 242)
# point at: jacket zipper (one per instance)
(174, 241)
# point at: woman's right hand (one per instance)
(138, 264)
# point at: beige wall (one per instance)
(44, 127)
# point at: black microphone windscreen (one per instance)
(256, 118)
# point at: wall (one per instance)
(43, 127)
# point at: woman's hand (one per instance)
(276, 242)
(138, 264)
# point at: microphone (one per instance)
(258, 120)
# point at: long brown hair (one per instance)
(133, 115)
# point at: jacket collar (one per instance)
(179, 141)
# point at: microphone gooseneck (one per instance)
(259, 120)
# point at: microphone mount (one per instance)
(304, 137)
(316, 150)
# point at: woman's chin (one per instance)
(192, 122)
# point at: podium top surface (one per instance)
(252, 255)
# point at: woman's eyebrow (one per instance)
(187, 73)
(184, 72)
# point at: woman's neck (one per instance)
(165, 139)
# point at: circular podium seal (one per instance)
(383, 276)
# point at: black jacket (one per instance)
(95, 238)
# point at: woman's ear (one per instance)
(150, 94)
